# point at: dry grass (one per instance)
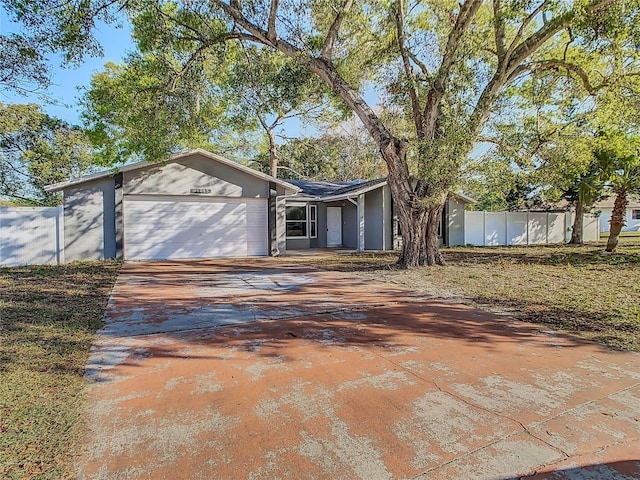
(576, 289)
(48, 317)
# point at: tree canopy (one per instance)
(446, 69)
(37, 150)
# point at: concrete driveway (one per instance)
(261, 368)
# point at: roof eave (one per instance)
(353, 193)
(140, 165)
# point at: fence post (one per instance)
(60, 235)
(546, 232)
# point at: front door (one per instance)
(334, 226)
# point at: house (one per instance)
(605, 207)
(358, 215)
(198, 205)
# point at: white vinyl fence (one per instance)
(524, 228)
(31, 236)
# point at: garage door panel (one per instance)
(172, 228)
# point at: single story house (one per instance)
(605, 207)
(198, 205)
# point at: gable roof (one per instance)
(174, 158)
(333, 191)
(634, 202)
(336, 190)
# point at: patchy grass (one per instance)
(576, 289)
(48, 317)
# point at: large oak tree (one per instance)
(444, 64)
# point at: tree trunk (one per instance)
(418, 222)
(576, 232)
(273, 154)
(617, 221)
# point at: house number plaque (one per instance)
(200, 190)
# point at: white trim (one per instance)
(174, 158)
(352, 193)
(306, 220)
(313, 220)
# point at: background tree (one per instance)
(37, 150)
(170, 93)
(343, 154)
(48, 28)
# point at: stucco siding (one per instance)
(89, 221)
(373, 220)
(455, 224)
(349, 226)
(321, 241)
(298, 243)
(213, 179)
(631, 224)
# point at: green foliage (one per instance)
(183, 87)
(344, 156)
(48, 27)
(37, 150)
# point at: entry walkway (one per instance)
(257, 368)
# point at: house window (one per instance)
(313, 221)
(635, 214)
(297, 221)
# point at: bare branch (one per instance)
(499, 30)
(271, 28)
(425, 70)
(468, 11)
(332, 34)
(413, 93)
(529, 45)
(527, 21)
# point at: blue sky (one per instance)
(64, 92)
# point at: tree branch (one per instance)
(332, 34)
(468, 11)
(271, 28)
(548, 30)
(499, 30)
(413, 93)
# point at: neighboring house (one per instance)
(199, 205)
(633, 213)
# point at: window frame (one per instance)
(635, 214)
(312, 219)
(311, 224)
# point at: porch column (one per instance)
(361, 222)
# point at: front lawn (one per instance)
(48, 317)
(577, 289)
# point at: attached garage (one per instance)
(194, 205)
(192, 227)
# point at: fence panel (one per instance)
(522, 228)
(31, 236)
(516, 228)
(495, 231)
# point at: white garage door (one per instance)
(157, 227)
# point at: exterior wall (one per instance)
(455, 222)
(89, 221)
(321, 241)
(373, 220)
(631, 225)
(349, 225)
(281, 227)
(31, 236)
(194, 172)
